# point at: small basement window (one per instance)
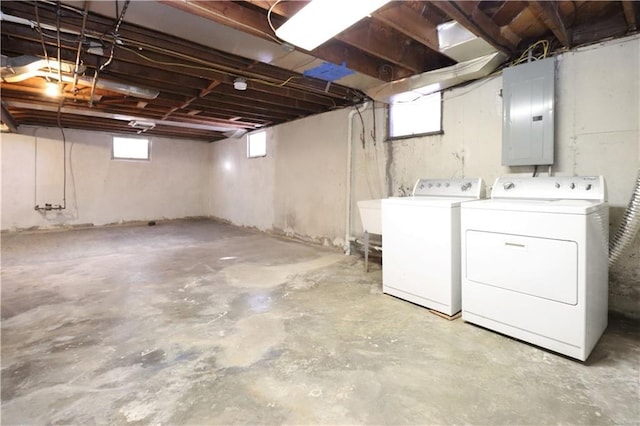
(257, 145)
(412, 114)
(130, 148)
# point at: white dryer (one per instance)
(421, 240)
(534, 261)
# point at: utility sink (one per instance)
(371, 215)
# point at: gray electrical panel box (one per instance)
(528, 93)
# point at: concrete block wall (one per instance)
(99, 190)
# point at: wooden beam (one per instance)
(630, 14)
(508, 11)
(409, 23)
(254, 22)
(284, 8)
(550, 14)
(8, 120)
(203, 93)
(478, 23)
(613, 26)
(345, 47)
(391, 46)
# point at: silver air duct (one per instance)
(628, 228)
(21, 68)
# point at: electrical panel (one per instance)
(528, 92)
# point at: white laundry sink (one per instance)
(371, 215)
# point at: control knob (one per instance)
(465, 186)
(588, 187)
(572, 185)
(557, 184)
(509, 185)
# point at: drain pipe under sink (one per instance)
(347, 238)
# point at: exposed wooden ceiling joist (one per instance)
(256, 23)
(405, 20)
(550, 14)
(8, 120)
(629, 8)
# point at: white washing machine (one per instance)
(534, 261)
(421, 242)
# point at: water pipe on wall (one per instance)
(347, 238)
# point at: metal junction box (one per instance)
(528, 92)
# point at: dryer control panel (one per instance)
(551, 188)
(462, 187)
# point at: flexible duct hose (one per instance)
(628, 227)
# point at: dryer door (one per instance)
(540, 267)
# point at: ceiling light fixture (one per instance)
(320, 20)
(51, 89)
(142, 126)
(240, 84)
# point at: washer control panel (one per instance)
(551, 188)
(463, 187)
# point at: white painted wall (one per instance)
(298, 189)
(99, 190)
(597, 118)
(242, 189)
(597, 133)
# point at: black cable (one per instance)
(362, 138)
(535, 171)
(44, 48)
(64, 156)
(59, 45)
(373, 132)
(59, 119)
(113, 48)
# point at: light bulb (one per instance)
(51, 89)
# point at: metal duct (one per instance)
(628, 228)
(24, 65)
(114, 86)
(22, 68)
(436, 80)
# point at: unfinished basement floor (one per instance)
(199, 322)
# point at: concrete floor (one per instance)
(197, 322)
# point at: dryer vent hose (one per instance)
(628, 228)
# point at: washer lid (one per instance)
(439, 202)
(540, 206)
